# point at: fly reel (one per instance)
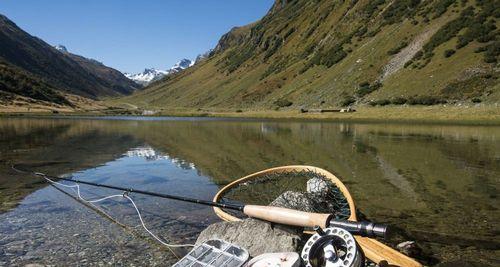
(332, 247)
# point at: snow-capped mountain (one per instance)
(181, 65)
(147, 76)
(61, 48)
(151, 74)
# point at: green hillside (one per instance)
(14, 81)
(319, 53)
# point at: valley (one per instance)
(388, 60)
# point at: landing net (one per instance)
(304, 190)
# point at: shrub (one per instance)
(276, 44)
(398, 48)
(373, 32)
(399, 10)
(480, 49)
(418, 55)
(479, 30)
(476, 100)
(365, 88)
(288, 33)
(364, 84)
(347, 101)
(283, 103)
(380, 102)
(399, 101)
(449, 52)
(383, 102)
(276, 67)
(308, 50)
(441, 6)
(492, 52)
(333, 55)
(426, 100)
(361, 31)
(371, 7)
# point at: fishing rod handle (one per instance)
(367, 229)
(287, 216)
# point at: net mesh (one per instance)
(303, 190)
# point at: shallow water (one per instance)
(438, 183)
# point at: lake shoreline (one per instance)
(481, 115)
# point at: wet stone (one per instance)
(259, 237)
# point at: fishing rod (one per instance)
(268, 213)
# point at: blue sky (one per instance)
(132, 35)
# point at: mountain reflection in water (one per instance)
(150, 154)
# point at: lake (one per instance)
(437, 182)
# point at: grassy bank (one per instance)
(476, 115)
(470, 115)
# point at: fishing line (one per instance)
(124, 195)
(328, 215)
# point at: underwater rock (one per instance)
(294, 200)
(317, 186)
(410, 248)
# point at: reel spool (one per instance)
(332, 247)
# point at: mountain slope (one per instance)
(319, 53)
(14, 81)
(110, 78)
(63, 71)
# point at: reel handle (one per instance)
(367, 229)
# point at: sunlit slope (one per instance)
(337, 53)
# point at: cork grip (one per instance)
(287, 216)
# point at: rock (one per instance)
(294, 200)
(255, 236)
(34, 265)
(317, 186)
(410, 248)
(259, 237)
